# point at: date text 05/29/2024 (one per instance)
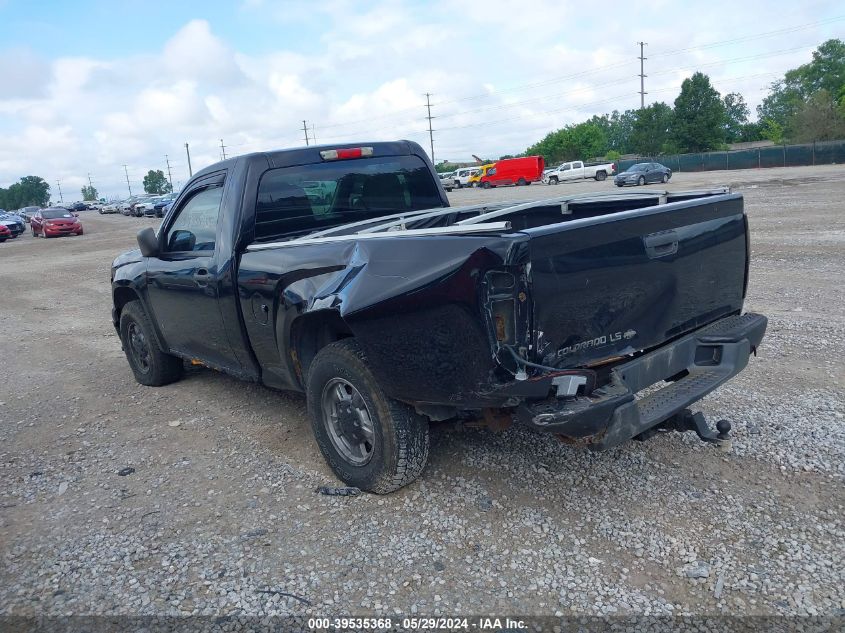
(417, 623)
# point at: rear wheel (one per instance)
(151, 366)
(370, 441)
(601, 175)
(641, 180)
(521, 182)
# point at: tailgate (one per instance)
(615, 284)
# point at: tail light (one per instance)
(345, 153)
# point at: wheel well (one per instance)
(312, 332)
(122, 296)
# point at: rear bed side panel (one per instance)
(630, 281)
(412, 303)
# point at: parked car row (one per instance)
(149, 205)
(528, 169)
(509, 171)
(12, 225)
(50, 222)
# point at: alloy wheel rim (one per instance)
(139, 347)
(348, 421)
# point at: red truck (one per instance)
(514, 171)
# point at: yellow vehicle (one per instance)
(474, 179)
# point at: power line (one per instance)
(429, 117)
(642, 59)
(592, 71)
(126, 171)
(169, 176)
(188, 152)
(223, 149)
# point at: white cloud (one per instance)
(501, 74)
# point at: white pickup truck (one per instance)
(577, 170)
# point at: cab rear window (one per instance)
(295, 201)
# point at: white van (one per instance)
(463, 175)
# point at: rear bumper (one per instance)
(612, 414)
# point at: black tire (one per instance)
(151, 366)
(601, 175)
(521, 182)
(641, 181)
(400, 441)
(620, 184)
(553, 180)
(665, 177)
(485, 185)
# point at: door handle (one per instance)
(661, 244)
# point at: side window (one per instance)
(195, 226)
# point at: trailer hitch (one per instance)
(686, 420)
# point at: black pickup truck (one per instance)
(343, 272)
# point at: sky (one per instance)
(88, 86)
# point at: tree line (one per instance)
(807, 105)
(34, 191)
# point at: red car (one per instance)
(55, 221)
(5, 233)
(514, 171)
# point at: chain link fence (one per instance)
(820, 153)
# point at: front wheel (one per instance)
(485, 185)
(641, 180)
(370, 441)
(665, 177)
(553, 180)
(151, 366)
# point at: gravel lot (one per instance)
(220, 516)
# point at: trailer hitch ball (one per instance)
(724, 438)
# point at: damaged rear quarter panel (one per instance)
(412, 302)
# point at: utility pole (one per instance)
(305, 129)
(188, 152)
(125, 171)
(169, 176)
(643, 93)
(223, 149)
(59, 185)
(313, 133)
(90, 184)
(429, 117)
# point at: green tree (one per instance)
(583, 140)
(155, 182)
(29, 191)
(89, 192)
(818, 119)
(772, 131)
(652, 130)
(826, 71)
(620, 129)
(736, 117)
(698, 124)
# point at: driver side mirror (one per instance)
(148, 242)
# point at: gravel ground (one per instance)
(219, 515)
